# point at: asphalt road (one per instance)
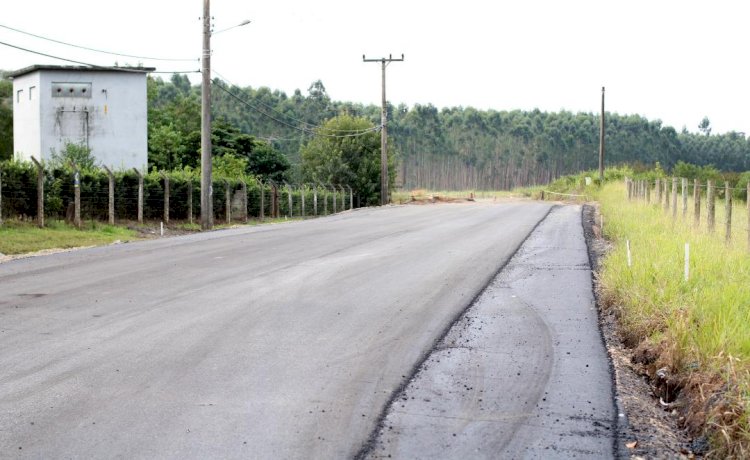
(523, 374)
(282, 341)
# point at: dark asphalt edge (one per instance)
(371, 441)
(620, 422)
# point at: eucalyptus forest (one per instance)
(265, 132)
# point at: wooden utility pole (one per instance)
(601, 141)
(383, 130)
(206, 200)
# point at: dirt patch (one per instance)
(650, 415)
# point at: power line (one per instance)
(47, 55)
(93, 66)
(94, 49)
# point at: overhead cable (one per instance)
(97, 50)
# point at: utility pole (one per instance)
(384, 131)
(601, 142)
(206, 188)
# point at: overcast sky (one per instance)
(671, 60)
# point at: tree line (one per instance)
(266, 133)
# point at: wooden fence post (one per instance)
(334, 198)
(666, 195)
(697, 204)
(190, 199)
(657, 191)
(39, 193)
(629, 187)
(166, 196)
(647, 187)
(262, 213)
(140, 195)
(315, 200)
(684, 184)
(228, 201)
(76, 196)
(289, 195)
(746, 199)
(325, 200)
(710, 205)
(110, 195)
(243, 186)
(674, 198)
(302, 191)
(728, 204)
(1, 196)
(276, 204)
(351, 198)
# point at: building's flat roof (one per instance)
(78, 68)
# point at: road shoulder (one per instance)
(523, 372)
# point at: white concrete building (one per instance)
(103, 108)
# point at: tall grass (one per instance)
(701, 325)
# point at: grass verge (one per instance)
(691, 336)
(18, 237)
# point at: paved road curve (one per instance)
(276, 341)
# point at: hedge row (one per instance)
(19, 195)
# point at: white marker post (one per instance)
(687, 261)
(161, 229)
(630, 260)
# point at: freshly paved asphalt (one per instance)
(282, 341)
(524, 374)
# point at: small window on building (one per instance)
(32, 93)
(19, 95)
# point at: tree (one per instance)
(265, 162)
(705, 126)
(337, 156)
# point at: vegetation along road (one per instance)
(337, 337)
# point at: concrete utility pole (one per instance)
(206, 188)
(601, 141)
(384, 131)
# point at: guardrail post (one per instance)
(39, 193)
(728, 204)
(140, 195)
(711, 205)
(111, 196)
(166, 196)
(697, 203)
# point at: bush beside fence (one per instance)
(19, 193)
